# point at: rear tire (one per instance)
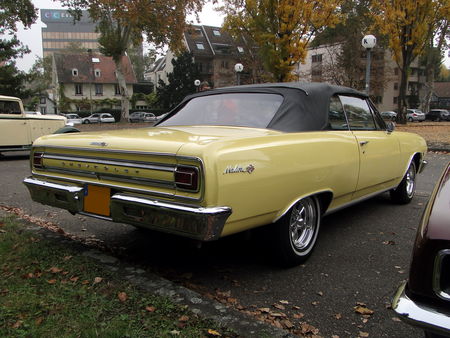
(296, 232)
(404, 192)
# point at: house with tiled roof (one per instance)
(215, 53)
(88, 82)
(441, 95)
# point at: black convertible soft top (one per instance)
(305, 106)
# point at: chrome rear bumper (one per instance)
(204, 224)
(420, 315)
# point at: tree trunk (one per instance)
(125, 103)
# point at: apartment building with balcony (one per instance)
(322, 64)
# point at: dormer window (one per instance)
(74, 72)
(240, 50)
(200, 45)
(216, 32)
(97, 73)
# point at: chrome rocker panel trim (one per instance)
(205, 224)
(420, 315)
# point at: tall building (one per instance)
(61, 30)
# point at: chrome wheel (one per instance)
(410, 181)
(303, 224)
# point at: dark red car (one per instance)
(424, 300)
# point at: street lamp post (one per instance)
(197, 84)
(368, 42)
(238, 68)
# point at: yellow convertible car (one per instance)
(233, 159)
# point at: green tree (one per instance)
(40, 75)
(282, 29)
(181, 81)
(123, 22)
(408, 25)
(11, 13)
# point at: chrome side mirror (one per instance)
(390, 127)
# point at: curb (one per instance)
(243, 325)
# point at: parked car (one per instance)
(415, 115)
(99, 118)
(424, 300)
(18, 128)
(74, 119)
(438, 115)
(142, 117)
(389, 115)
(233, 159)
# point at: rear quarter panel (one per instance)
(287, 167)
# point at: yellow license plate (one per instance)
(96, 200)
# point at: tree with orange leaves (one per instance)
(281, 29)
(122, 22)
(409, 25)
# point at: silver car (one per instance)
(415, 115)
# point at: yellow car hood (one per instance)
(164, 139)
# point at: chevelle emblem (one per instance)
(102, 144)
(238, 169)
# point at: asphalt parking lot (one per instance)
(362, 255)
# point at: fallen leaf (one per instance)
(295, 307)
(395, 319)
(183, 319)
(287, 324)
(320, 293)
(175, 332)
(338, 316)
(363, 310)
(298, 315)
(39, 321)
(264, 309)
(55, 270)
(150, 308)
(97, 280)
(363, 334)
(285, 302)
(315, 303)
(74, 279)
(214, 333)
(122, 296)
(51, 281)
(85, 282)
(278, 306)
(66, 258)
(17, 324)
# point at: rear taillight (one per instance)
(38, 159)
(186, 178)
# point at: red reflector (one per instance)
(38, 159)
(186, 178)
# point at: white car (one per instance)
(73, 119)
(99, 117)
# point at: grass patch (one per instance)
(47, 289)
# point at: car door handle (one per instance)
(363, 143)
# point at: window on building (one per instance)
(316, 58)
(74, 72)
(42, 100)
(395, 99)
(396, 86)
(216, 32)
(78, 89)
(200, 67)
(116, 89)
(240, 49)
(198, 31)
(224, 64)
(222, 49)
(98, 89)
(200, 45)
(396, 71)
(97, 73)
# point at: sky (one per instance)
(32, 36)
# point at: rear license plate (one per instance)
(96, 200)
